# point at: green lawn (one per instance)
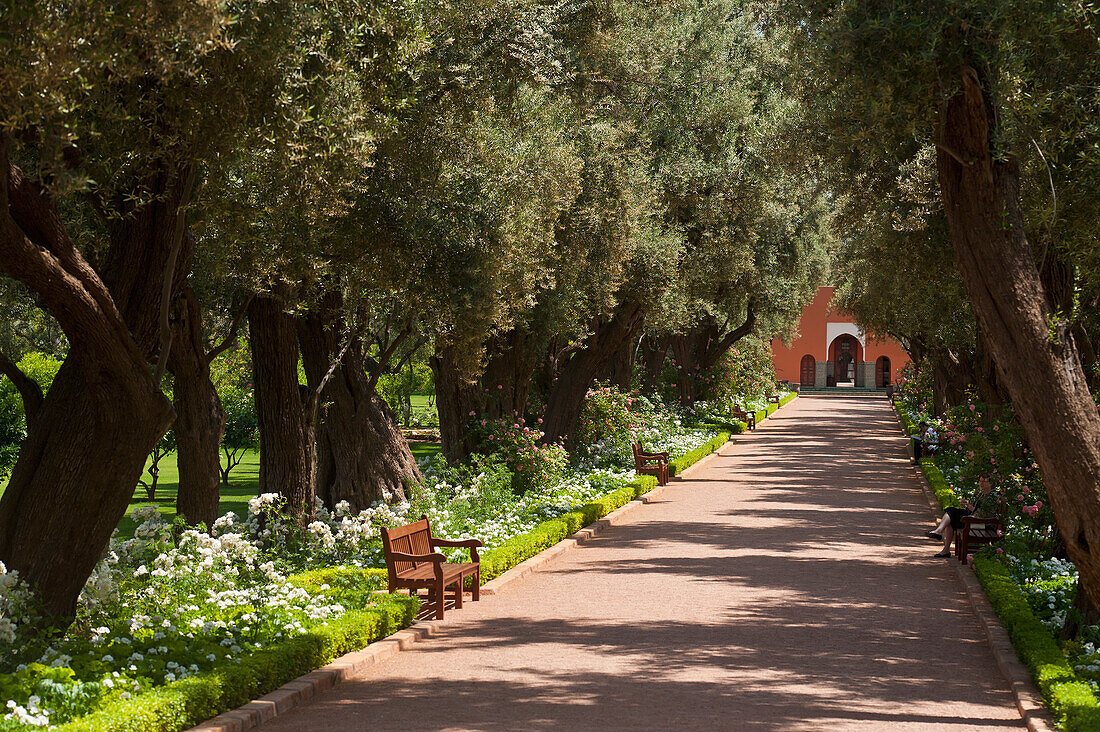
(424, 405)
(244, 483)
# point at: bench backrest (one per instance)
(412, 538)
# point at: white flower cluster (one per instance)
(15, 603)
(30, 715)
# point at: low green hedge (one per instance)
(944, 495)
(499, 559)
(1069, 698)
(907, 422)
(788, 398)
(682, 463)
(187, 702)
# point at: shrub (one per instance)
(607, 420)
(498, 560)
(682, 463)
(512, 443)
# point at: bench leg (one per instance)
(458, 594)
(477, 585)
(439, 597)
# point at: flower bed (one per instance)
(1030, 590)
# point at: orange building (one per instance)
(832, 350)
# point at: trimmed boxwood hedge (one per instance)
(682, 463)
(1070, 699)
(500, 559)
(738, 428)
(187, 702)
(907, 423)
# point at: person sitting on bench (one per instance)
(925, 441)
(984, 504)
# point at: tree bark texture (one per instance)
(566, 399)
(200, 419)
(362, 457)
(86, 448)
(500, 390)
(654, 353)
(282, 413)
(1034, 351)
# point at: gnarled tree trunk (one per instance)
(1031, 345)
(575, 377)
(86, 445)
(282, 406)
(362, 456)
(200, 419)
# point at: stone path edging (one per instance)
(1029, 702)
(305, 687)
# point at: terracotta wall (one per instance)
(819, 327)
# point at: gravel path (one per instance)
(784, 586)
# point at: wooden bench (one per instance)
(976, 531)
(773, 399)
(748, 418)
(412, 563)
(651, 463)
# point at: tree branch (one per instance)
(29, 389)
(952, 153)
(385, 356)
(188, 181)
(231, 336)
(734, 335)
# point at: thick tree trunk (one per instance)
(282, 414)
(200, 419)
(566, 399)
(500, 390)
(457, 400)
(699, 350)
(86, 448)
(1032, 347)
(362, 456)
(654, 354)
(621, 372)
(684, 348)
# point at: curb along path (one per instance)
(782, 585)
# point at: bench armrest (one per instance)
(434, 557)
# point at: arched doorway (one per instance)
(882, 371)
(845, 352)
(807, 373)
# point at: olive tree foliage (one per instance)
(753, 222)
(1004, 94)
(113, 114)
